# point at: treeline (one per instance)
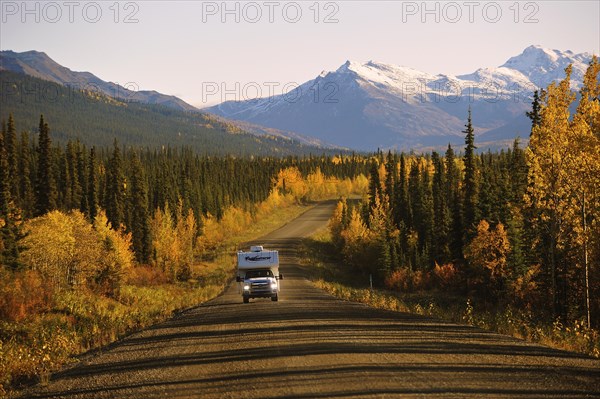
(130, 184)
(516, 228)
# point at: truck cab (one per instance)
(258, 274)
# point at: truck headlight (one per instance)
(246, 287)
(273, 286)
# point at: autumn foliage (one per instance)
(518, 229)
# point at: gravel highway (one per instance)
(311, 345)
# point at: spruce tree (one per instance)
(534, 114)
(64, 184)
(426, 223)
(45, 188)
(26, 190)
(401, 211)
(471, 189)
(402, 205)
(138, 206)
(390, 176)
(518, 174)
(115, 194)
(5, 196)
(374, 185)
(10, 143)
(454, 197)
(441, 218)
(9, 231)
(82, 177)
(75, 190)
(92, 186)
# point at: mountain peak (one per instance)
(539, 64)
(402, 107)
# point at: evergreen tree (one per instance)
(441, 218)
(115, 186)
(380, 225)
(138, 206)
(26, 192)
(82, 176)
(75, 189)
(374, 184)
(5, 196)
(401, 211)
(9, 232)
(488, 189)
(471, 189)
(45, 191)
(92, 186)
(64, 184)
(518, 173)
(390, 175)
(425, 227)
(10, 143)
(402, 205)
(453, 195)
(534, 114)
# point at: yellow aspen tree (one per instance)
(549, 146)
(290, 181)
(336, 223)
(356, 237)
(315, 182)
(163, 239)
(489, 251)
(186, 233)
(583, 173)
(50, 247)
(118, 258)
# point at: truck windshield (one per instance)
(258, 273)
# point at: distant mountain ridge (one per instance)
(96, 120)
(39, 65)
(375, 105)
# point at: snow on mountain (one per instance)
(541, 65)
(371, 104)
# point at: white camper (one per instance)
(258, 273)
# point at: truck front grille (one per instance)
(260, 287)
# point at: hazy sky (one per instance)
(205, 51)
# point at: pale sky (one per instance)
(198, 51)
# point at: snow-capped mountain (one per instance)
(374, 105)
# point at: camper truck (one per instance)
(258, 273)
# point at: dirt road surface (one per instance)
(311, 345)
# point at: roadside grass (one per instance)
(326, 270)
(78, 321)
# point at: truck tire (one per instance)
(274, 298)
(246, 299)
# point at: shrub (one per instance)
(446, 276)
(144, 275)
(23, 294)
(399, 280)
